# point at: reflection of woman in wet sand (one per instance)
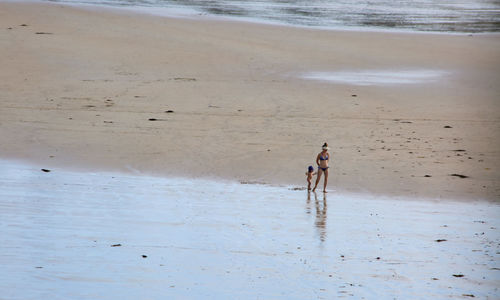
(321, 214)
(322, 160)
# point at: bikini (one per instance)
(323, 158)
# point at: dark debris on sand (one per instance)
(184, 79)
(45, 170)
(251, 182)
(459, 175)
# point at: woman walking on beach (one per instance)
(322, 161)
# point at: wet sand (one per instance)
(101, 235)
(112, 90)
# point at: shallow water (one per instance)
(378, 77)
(226, 240)
(418, 15)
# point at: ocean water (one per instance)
(99, 235)
(458, 16)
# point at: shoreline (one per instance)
(36, 167)
(82, 95)
(193, 14)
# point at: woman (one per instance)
(322, 161)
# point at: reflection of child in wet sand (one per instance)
(310, 173)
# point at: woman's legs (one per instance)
(326, 180)
(318, 178)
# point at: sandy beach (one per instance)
(112, 90)
(159, 157)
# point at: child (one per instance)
(310, 173)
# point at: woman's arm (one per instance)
(317, 160)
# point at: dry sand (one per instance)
(78, 87)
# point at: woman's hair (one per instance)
(325, 145)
